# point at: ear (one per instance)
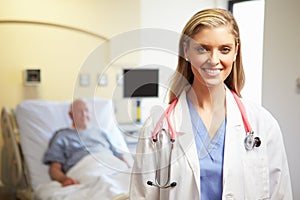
(236, 51)
(185, 50)
(71, 115)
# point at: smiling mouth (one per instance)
(212, 72)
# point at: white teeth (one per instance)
(212, 71)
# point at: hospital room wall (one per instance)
(59, 51)
(281, 69)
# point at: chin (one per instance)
(213, 83)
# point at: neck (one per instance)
(77, 128)
(208, 98)
(210, 105)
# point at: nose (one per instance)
(85, 114)
(214, 58)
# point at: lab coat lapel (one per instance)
(187, 143)
(233, 175)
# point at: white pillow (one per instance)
(38, 120)
(103, 116)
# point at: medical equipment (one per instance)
(249, 142)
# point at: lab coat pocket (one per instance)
(256, 178)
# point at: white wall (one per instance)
(251, 31)
(281, 69)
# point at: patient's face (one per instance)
(80, 115)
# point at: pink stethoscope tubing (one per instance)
(166, 115)
(250, 141)
(242, 109)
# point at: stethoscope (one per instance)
(249, 142)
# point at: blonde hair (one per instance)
(211, 18)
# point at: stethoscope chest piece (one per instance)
(250, 141)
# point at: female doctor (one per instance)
(209, 158)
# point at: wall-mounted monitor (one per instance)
(140, 83)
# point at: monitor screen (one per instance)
(140, 82)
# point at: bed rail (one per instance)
(14, 172)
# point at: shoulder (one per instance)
(63, 130)
(62, 133)
(253, 108)
(260, 117)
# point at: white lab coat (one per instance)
(261, 173)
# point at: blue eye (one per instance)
(201, 49)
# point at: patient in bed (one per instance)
(69, 145)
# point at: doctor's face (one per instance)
(211, 52)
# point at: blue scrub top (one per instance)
(210, 156)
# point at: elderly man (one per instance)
(71, 144)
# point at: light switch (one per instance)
(84, 80)
(102, 79)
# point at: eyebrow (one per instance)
(205, 45)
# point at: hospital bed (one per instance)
(26, 131)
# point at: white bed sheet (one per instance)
(38, 120)
(101, 176)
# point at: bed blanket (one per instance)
(101, 176)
